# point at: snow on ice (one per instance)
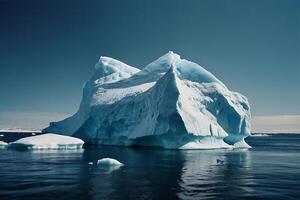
(170, 103)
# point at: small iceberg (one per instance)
(47, 141)
(3, 145)
(109, 162)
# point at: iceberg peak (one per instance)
(169, 58)
(109, 65)
(110, 70)
(161, 65)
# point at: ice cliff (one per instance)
(170, 103)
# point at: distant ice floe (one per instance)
(47, 141)
(260, 135)
(3, 145)
(19, 130)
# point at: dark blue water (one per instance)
(271, 170)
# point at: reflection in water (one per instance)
(209, 173)
(168, 174)
(269, 170)
(37, 174)
(147, 173)
(109, 168)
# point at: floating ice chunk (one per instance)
(47, 141)
(90, 163)
(19, 130)
(3, 145)
(107, 162)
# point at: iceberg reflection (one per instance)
(207, 174)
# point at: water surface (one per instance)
(270, 170)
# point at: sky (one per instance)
(48, 49)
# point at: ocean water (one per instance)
(270, 170)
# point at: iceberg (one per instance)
(171, 103)
(47, 141)
(107, 162)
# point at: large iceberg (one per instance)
(170, 103)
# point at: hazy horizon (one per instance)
(38, 121)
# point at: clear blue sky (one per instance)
(48, 48)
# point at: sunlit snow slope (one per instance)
(171, 103)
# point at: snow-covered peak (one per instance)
(169, 57)
(162, 64)
(185, 70)
(109, 70)
(110, 65)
